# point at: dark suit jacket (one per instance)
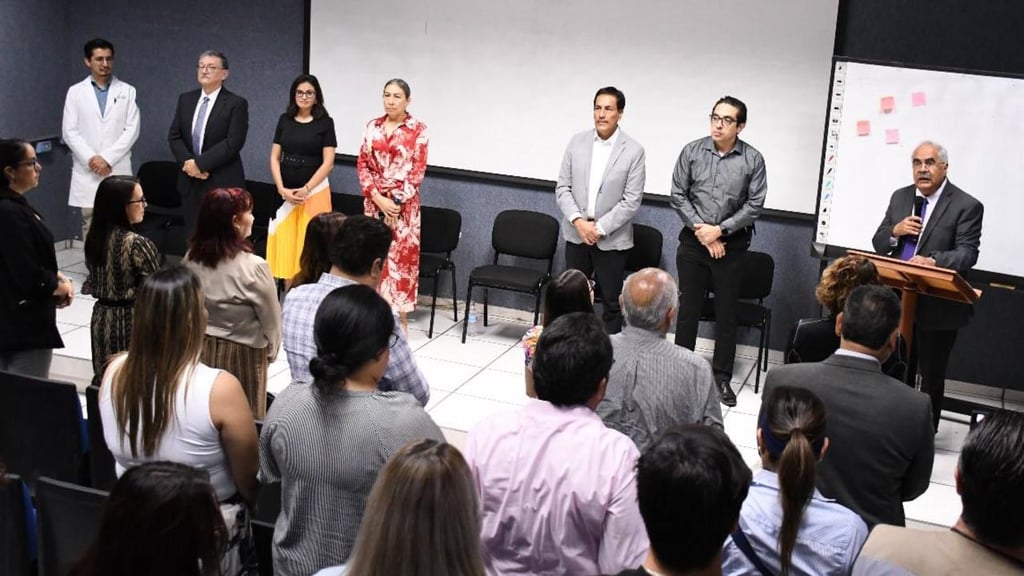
(952, 237)
(226, 130)
(881, 439)
(28, 266)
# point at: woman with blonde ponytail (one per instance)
(786, 526)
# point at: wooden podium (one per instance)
(914, 279)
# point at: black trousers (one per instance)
(930, 358)
(696, 270)
(607, 267)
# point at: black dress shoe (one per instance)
(728, 396)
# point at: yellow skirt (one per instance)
(287, 231)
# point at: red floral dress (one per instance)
(393, 166)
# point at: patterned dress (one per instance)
(393, 166)
(130, 258)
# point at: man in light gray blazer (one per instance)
(881, 441)
(599, 190)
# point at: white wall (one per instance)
(503, 85)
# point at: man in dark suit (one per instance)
(214, 122)
(599, 189)
(947, 234)
(881, 441)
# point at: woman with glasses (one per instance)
(32, 288)
(118, 260)
(391, 165)
(570, 291)
(243, 331)
(325, 442)
(301, 159)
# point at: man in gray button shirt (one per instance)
(718, 189)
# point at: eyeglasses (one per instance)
(592, 283)
(930, 162)
(139, 201)
(393, 340)
(207, 68)
(32, 162)
(726, 120)
(305, 94)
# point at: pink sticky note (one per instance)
(863, 127)
(918, 99)
(888, 104)
(892, 136)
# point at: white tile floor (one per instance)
(471, 381)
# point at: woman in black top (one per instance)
(32, 288)
(300, 161)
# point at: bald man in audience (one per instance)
(654, 384)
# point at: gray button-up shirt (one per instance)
(709, 188)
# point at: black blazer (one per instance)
(952, 237)
(226, 129)
(881, 438)
(28, 266)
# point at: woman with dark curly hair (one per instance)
(814, 339)
(325, 442)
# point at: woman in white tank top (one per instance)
(196, 415)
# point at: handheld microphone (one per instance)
(918, 204)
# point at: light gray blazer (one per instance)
(618, 199)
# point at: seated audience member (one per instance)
(326, 442)
(988, 538)
(655, 384)
(422, 517)
(786, 526)
(161, 519)
(557, 487)
(690, 483)
(159, 402)
(570, 291)
(814, 339)
(315, 259)
(243, 332)
(883, 441)
(118, 261)
(358, 255)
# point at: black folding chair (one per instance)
(440, 230)
(347, 204)
(755, 286)
(517, 233)
(265, 202)
(16, 527)
(163, 222)
(42, 431)
(102, 468)
(68, 518)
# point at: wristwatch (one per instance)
(725, 231)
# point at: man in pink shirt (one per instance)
(558, 489)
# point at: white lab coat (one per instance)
(88, 133)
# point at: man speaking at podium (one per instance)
(933, 223)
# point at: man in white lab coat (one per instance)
(101, 123)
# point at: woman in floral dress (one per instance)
(392, 161)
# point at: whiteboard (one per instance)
(879, 113)
(503, 86)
